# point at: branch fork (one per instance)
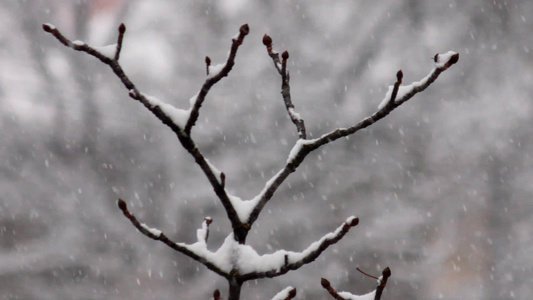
(243, 214)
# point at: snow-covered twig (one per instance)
(401, 95)
(285, 86)
(214, 76)
(373, 295)
(158, 235)
(287, 293)
(293, 260)
(167, 114)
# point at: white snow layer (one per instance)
(201, 234)
(153, 231)
(214, 70)
(232, 255)
(403, 90)
(349, 296)
(178, 116)
(52, 27)
(296, 149)
(443, 58)
(283, 294)
(108, 51)
(78, 43)
(243, 207)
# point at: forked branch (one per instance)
(179, 121)
(396, 96)
(158, 235)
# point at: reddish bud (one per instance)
(292, 293)
(208, 220)
(267, 40)
(122, 28)
(47, 28)
(216, 295)
(354, 222)
(399, 76)
(207, 60)
(325, 283)
(454, 59)
(436, 58)
(245, 29)
(285, 55)
(386, 272)
(122, 205)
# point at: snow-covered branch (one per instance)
(373, 295)
(396, 96)
(176, 119)
(285, 86)
(215, 74)
(158, 235)
(282, 261)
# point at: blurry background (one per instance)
(442, 186)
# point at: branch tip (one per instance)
(122, 28)
(245, 29)
(354, 222)
(267, 40)
(399, 76)
(325, 283)
(208, 220)
(285, 55)
(122, 205)
(47, 28)
(216, 295)
(454, 59)
(386, 272)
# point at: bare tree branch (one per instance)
(285, 86)
(214, 78)
(294, 261)
(240, 229)
(399, 95)
(158, 235)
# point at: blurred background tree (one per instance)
(442, 186)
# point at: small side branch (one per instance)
(164, 112)
(214, 78)
(281, 67)
(398, 95)
(293, 261)
(158, 235)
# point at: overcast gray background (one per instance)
(442, 186)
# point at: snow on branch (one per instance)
(158, 235)
(254, 266)
(396, 96)
(373, 295)
(286, 294)
(215, 74)
(176, 119)
(285, 86)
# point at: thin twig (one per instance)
(326, 285)
(309, 257)
(364, 273)
(274, 183)
(160, 236)
(281, 67)
(195, 111)
(240, 229)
